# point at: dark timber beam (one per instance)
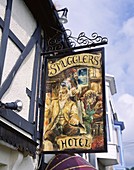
(5, 34)
(6, 84)
(13, 37)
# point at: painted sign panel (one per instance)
(74, 116)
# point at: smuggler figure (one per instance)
(63, 118)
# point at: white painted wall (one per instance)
(110, 117)
(2, 8)
(11, 159)
(22, 21)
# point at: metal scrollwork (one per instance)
(84, 40)
(57, 41)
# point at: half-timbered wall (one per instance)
(20, 78)
(23, 25)
(20, 74)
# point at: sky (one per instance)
(114, 20)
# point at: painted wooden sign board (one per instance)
(74, 115)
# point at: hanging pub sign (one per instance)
(74, 115)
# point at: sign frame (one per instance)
(57, 70)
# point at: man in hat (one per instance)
(64, 119)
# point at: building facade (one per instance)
(119, 126)
(114, 158)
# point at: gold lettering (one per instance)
(84, 59)
(75, 59)
(77, 142)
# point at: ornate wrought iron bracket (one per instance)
(82, 39)
(56, 43)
